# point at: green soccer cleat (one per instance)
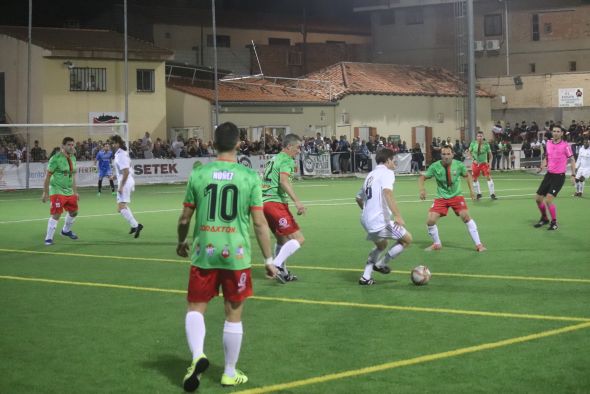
(192, 379)
(239, 378)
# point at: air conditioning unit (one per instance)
(492, 45)
(479, 46)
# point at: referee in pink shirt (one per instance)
(557, 154)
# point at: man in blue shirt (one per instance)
(103, 165)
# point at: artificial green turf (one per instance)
(59, 337)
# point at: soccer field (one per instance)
(105, 313)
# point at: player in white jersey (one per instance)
(583, 166)
(377, 202)
(126, 184)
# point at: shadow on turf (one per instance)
(174, 368)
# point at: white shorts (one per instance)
(391, 231)
(125, 195)
(583, 172)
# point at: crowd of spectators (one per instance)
(521, 132)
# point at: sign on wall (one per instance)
(572, 97)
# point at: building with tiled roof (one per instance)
(353, 99)
(78, 73)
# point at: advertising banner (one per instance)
(573, 97)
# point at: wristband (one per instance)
(268, 261)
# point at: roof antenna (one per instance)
(257, 59)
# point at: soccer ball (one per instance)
(420, 275)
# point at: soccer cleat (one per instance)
(98, 194)
(384, 269)
(553, 225)
(493, 197)
(136, 230)
(192, 379)
(48, 242)
(478, 197)
(69, 234)
(480, 248)
(366, 282)
(433, 247)
(238, 378)
(541, 223)
(114, 193)
(286, 275)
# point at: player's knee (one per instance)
(582, 179)
(300, 239)
(73, 214)
(406, 240)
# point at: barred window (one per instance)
(222, 41)
(86, 79)
(145, 80)
(492, 25)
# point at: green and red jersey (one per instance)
(448, 179)
(223, 193)
(63, 171)
(271, 184)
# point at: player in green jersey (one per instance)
(225, 195)
(276, 191)
(60, 188)
(448, 174)
(481, 154)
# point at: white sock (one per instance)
(277, 249)
(126, 213)
(68, 223)
(476, 187)
(433, 232)
(51, 226)
(368, 271)
(582, 186)
(232, 342)
(373, 255)
(491, 186)
(472, 227)
(287, 250)
(392, 253)
(195, 332)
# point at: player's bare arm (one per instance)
(421, 180)
(390, 200)
(288, 188)
(573, 168)
(360, 202)
(184, 223)
(45, 194)
(470, 184)
(262, 233)
(125, 172)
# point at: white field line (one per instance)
(310, 204)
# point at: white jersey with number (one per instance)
(376, 214)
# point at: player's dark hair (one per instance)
(383, 155)
(226, 138)
(118, 140)
(66, 140)
(446, 147)
(291, 139)
(479, 132)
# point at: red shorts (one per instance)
(204, 284)
(442, 205)
(59, 202)
(279, 218)
(476, 168)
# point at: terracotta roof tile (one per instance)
(250, 90)
(86, 40)
(390, 79)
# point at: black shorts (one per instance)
(552, 184)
